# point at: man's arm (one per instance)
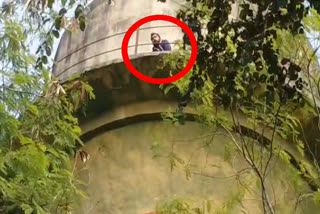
(155, 49)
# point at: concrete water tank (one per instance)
(123, 128)
(100, 44)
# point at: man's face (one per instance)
(155, 39)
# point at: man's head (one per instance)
(155, 38)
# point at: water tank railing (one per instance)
(102, 53)
(86, 45)
(136, 45)
(113, 35)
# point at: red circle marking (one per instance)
(125, 56)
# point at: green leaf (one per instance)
(62, 12)
(55, 33)
(57, 23)
(48, 50)
(82, 23)
(44, 59)
(78, 11)
(25, 140)
(168, 88)
(27, 209)
(21, 78)
(316, 198)
(2, 107)
(285, 156)
(229, 151)
(33, 109)
(50, 3)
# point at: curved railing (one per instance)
(135, 46)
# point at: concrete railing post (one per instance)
(137, 42)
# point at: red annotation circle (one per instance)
(187, 30)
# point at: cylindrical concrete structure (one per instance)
(101, 42)
(123, 129)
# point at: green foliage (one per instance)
(229, 152)
(175, 206)
(184, 206)
(230, 205)
(241, 57)
(196, 206)
(316, 197)
(38, 131)
(36, 174)
(255, 67)
(312, 22)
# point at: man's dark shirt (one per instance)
(163, 46)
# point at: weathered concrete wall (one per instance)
(123, 177)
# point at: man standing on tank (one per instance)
(158, 44)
